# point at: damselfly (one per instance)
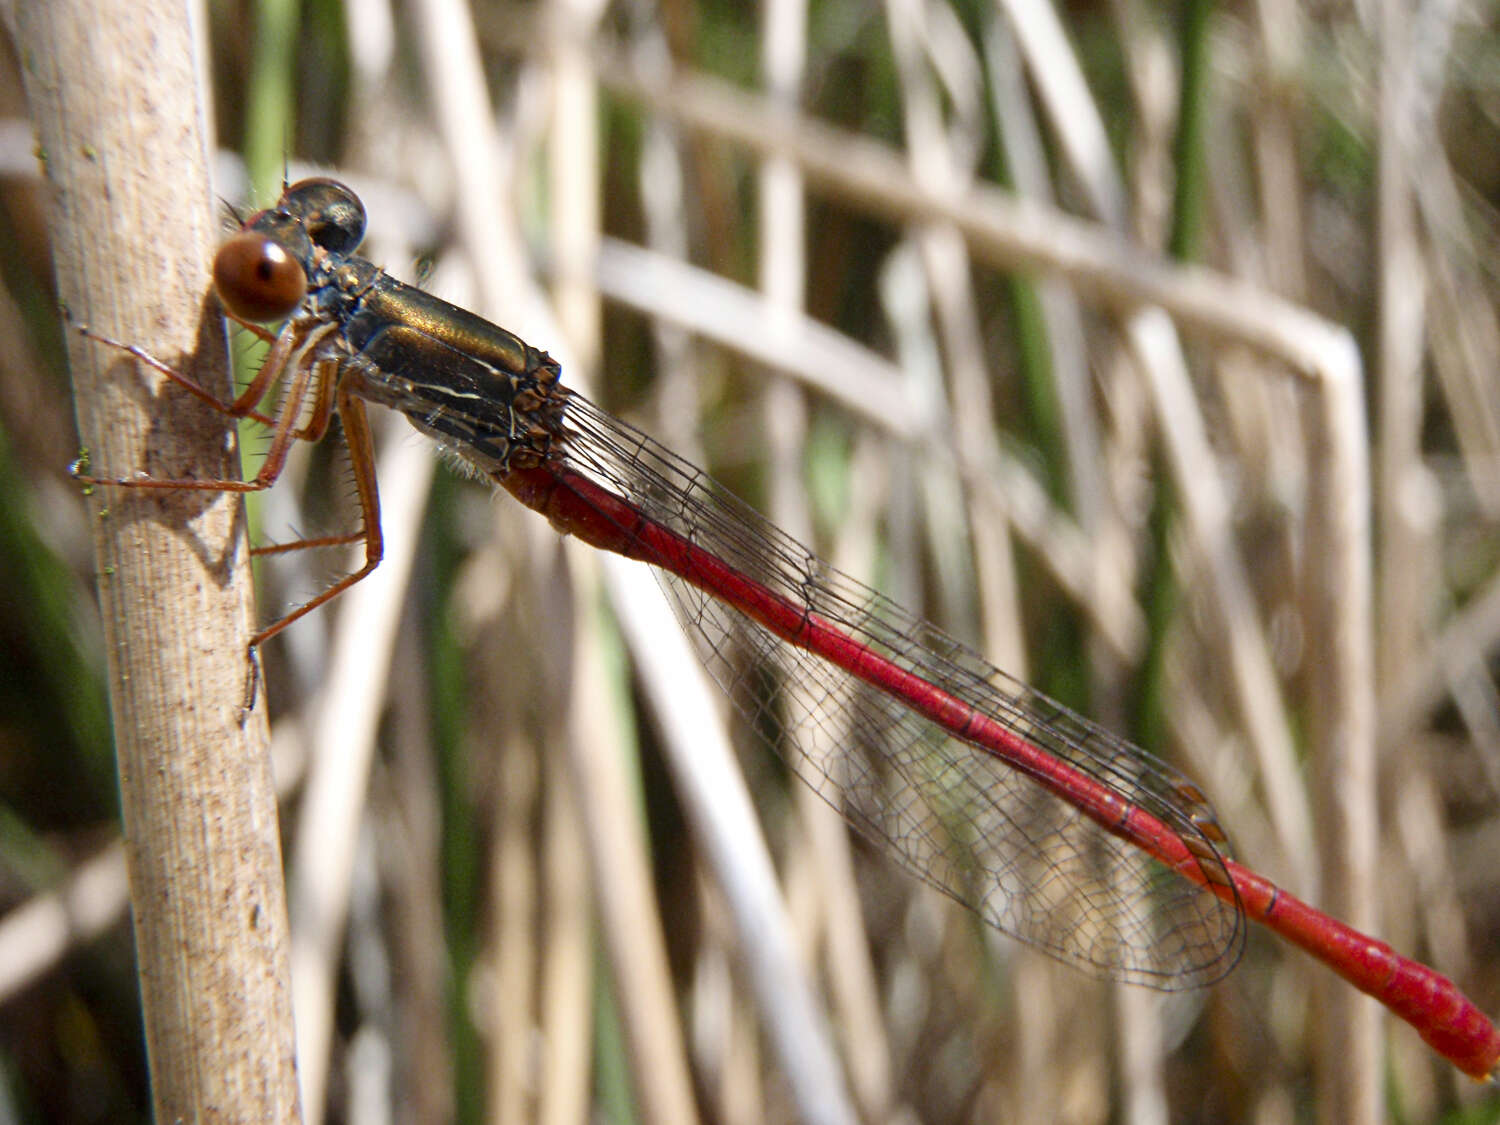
(1050, 828)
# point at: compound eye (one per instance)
(257, 279)
(332, 215)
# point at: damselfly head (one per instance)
(261, 274)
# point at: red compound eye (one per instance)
(257, 279)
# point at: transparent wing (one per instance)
(1021, 854)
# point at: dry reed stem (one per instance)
(115, 98)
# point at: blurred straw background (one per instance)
(1153, 351)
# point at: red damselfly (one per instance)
(1049, 827)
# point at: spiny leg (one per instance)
(186, 382)
(361, 447)
(293, 350)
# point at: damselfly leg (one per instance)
(311, 390)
